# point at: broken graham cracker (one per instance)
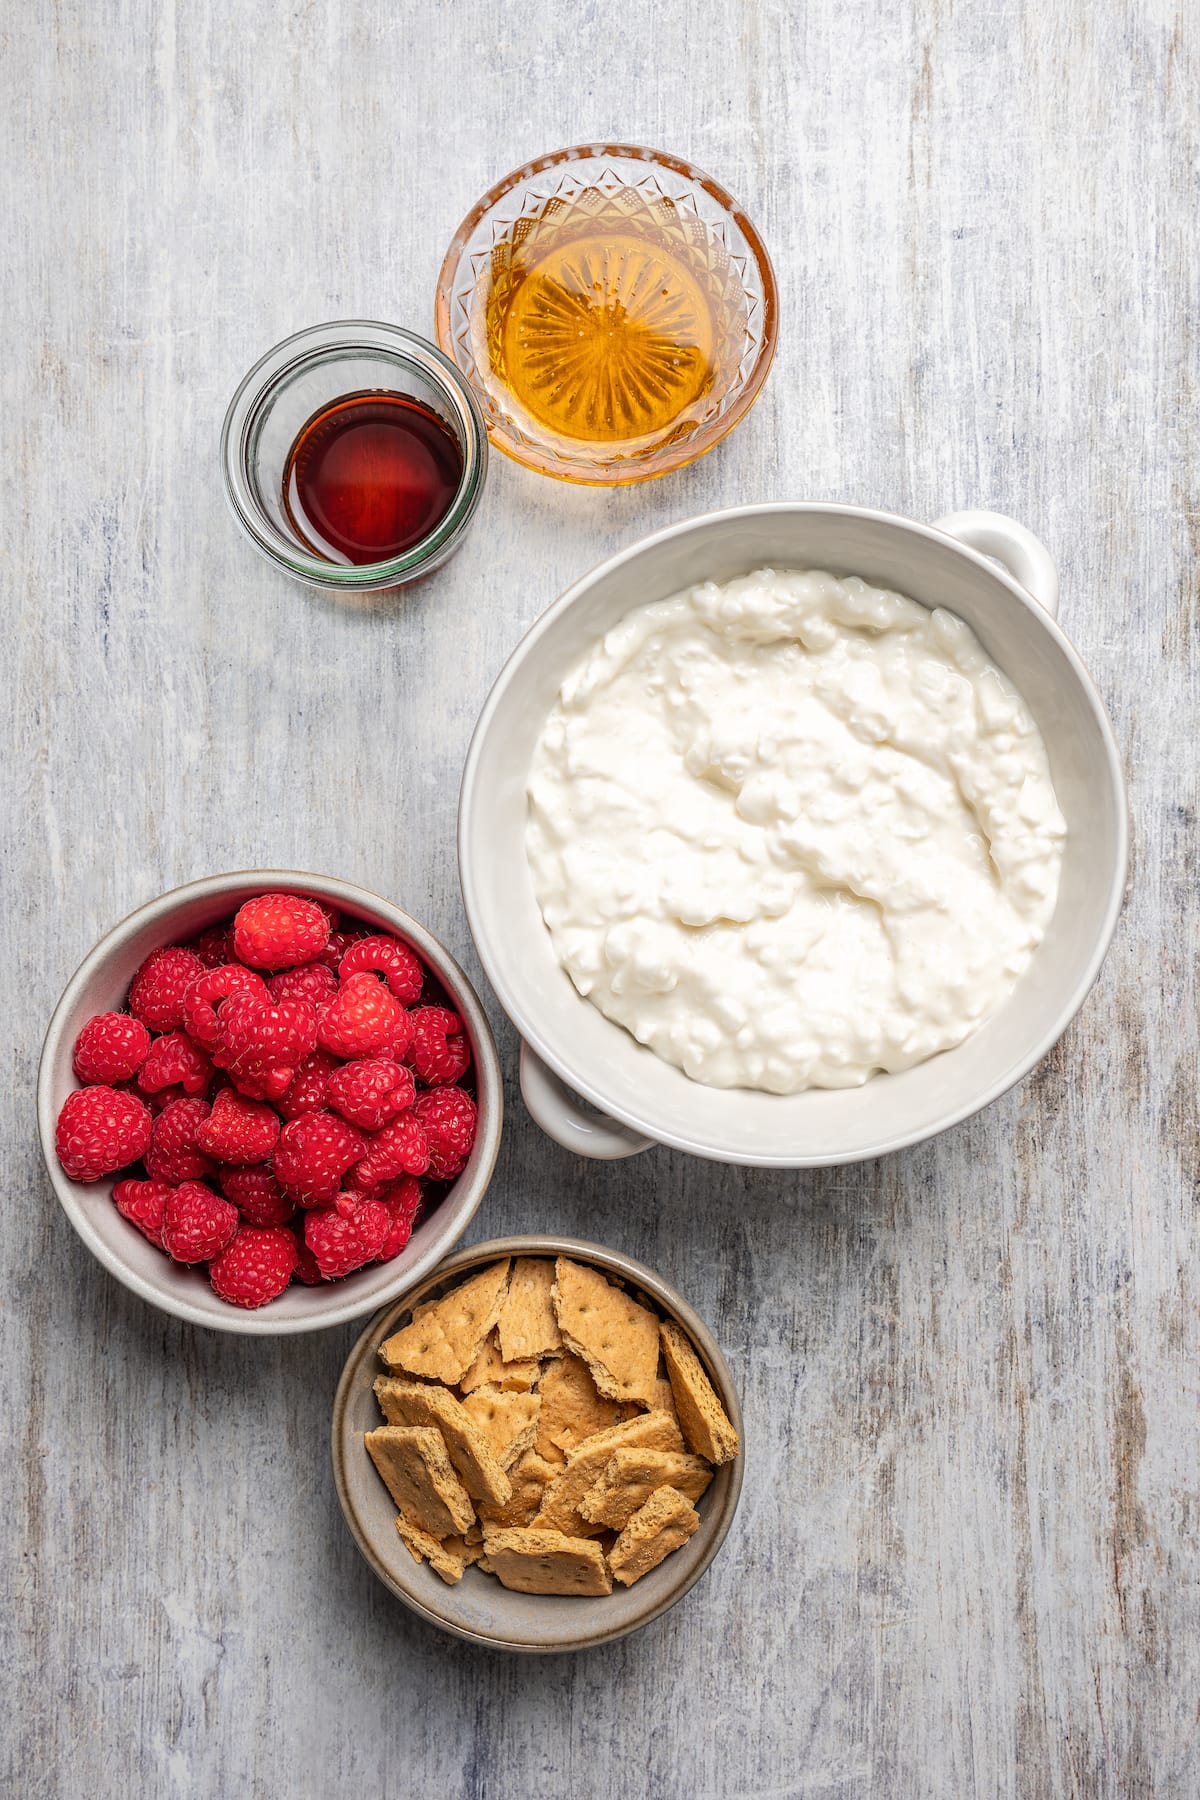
(662, 1398)
(420, 1477)
(631, 1476)
(527, 1325)
(530, 1478)
(490, 1368)
(560, 1505)
(617, 1338)
(417, 1403)
(507, 1421)
(572, 1407)
(705, 1425)
(446, 1558)
(666, 1521)
(444, 1336)
(547, 1562)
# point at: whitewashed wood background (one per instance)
(966, 1559)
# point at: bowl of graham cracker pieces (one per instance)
(538, 1446)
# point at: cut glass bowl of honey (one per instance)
(614, 311)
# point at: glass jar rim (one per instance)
(317, 343)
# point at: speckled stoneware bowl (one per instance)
(479, 1608)
(101, 983)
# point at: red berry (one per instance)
(371, 1093)
(111, 1047)
(207, 992)
(101, 1130)
(142, 1203)
(238, 1130)
(174, 1061)
(346, 1236)
(309, 1087)
(313, 1154)
(307, 1270)
(214, 947)
(399, 1149)
(440, 1053)
(257, 1195)
(447, 1117)
(339, 943)
(255, 1267)
(311, 981)
(403, 1202)
(157, 990)
(174, 1153)
(197, 1224)
(262, 1042)
(362, 1019)
(388, 957)
(276, 931)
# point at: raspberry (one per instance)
(257, 1195)
(214, 947)
(207, 992)
(238, 1130)
(262, 1042)
(307, 1270)
(311, 981)
(309, 1086)
(142, 1203)
(371, 1093)
(255, 1267)
(157, 990)
(313, 1154)
(174, 1154)
(197, 1223)
(345, 1236)
(403, 1202)
(399, 1149)
(440, 1053)
(174, 1061)
(111, 1047)
(275, 931)
(362, 1019)
(339, 943)
(388, 957)
(447, 1117)
(101, 1130)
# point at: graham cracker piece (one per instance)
(507, 1421)
(443, 1558)
(617, 1338)
(560, 1506)
(572, 1408)
(413, 1462)
(547, 1562)
(444, 1336)
(705, 1425)
(530, 1478)
(662, 1398)
(665, 1522)
(490, 1367)
(527, 1325)
(416, 1403)
(631, 1476)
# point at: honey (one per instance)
(610, 323)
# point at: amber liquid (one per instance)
(369, 476)
(610, 326)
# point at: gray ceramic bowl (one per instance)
(101, 983)
(478, 1608)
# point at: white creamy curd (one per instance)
(792, 830)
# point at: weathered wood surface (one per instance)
(966, 1559)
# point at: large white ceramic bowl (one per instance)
(101, 983)
(991, 572)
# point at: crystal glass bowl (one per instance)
(664, 247)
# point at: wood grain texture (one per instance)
(966, 1557)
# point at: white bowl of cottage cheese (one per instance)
(792, 835)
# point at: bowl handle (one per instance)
(565, 1119)
(1024, 556)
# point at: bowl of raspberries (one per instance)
(269, 1101)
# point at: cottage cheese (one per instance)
(792, 831)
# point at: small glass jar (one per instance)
(291, 384)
